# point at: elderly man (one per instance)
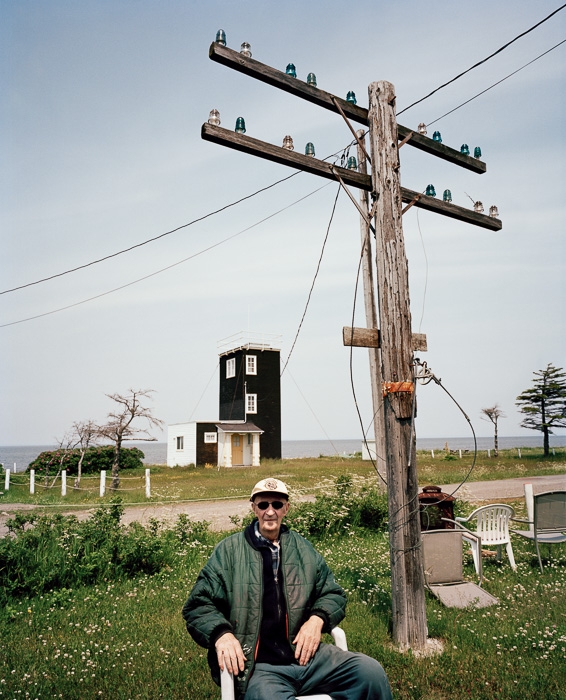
(260, 606)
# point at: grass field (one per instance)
(125, 639)
(302, 475)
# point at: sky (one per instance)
(101, 108)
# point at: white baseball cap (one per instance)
(269, 486)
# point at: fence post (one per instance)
(432, 453)
(32, 481)
(102, 482)
(7, 481)
(147, 484)
(519, 451)
(15, 468)
(64, 482)
(489, 453)
(460, 451)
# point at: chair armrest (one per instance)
(339, 637)
(227, 685)
(460, 519)
(523, 520)
(459, 525)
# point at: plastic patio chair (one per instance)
(547, 518)
(492, 527)
(443, 570)
(227, 680)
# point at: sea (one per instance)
(17, 458)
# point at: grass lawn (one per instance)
(304, 476)
(127, 640)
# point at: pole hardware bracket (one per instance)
(366, 216)
(398, 387)
(413, 201)
(404, 141)
(358, 139)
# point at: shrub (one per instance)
(54, 552)
(345, 505)
(95, 460)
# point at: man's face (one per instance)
(270, 519)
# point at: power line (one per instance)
(162, 235)
(163, 269)
(313, 282)
(479, 63)
(497, 83)
(155, 238)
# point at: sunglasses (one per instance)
(276, 505)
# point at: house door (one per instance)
(237, 450)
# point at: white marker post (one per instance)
(147, 484)
(7, 480)
(64, 482)
(102, 482)
(32, 481)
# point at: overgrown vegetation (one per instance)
(49, 553)
(95, 459)
(123, 635)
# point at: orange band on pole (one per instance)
(396, 387)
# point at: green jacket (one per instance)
(228, 595)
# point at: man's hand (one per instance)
(230, 654)
(308, 639)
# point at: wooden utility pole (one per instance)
(371, 322)
(407, 579)
(394, 337)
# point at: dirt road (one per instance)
(218, 512)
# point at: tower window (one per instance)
(251, 403)
(251, 364)
(231, 368)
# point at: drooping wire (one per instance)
(425, 376)
(311, 409)
(155, 238)
(163, 269)
(162, 235)
(497, 83)
(313, 281)
(364, 431)
(484, 60)
(426, 271)
(204, 392)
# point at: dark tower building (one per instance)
(250, 387)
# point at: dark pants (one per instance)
(343, 675)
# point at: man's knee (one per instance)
(371, 677)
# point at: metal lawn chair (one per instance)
(443, 569)
(492, 527)
(546, 517)
(227, 679)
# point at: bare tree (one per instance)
(493, 414)
(86, 434)
(64, 447)
(120, 428)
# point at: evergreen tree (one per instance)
(544, 404)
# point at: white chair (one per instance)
(492, 527)
(546, 517)
(227, 680)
